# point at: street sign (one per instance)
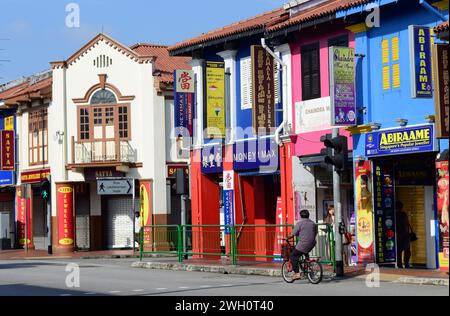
(115, 186)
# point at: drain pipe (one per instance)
(284, 66)
(432, 9)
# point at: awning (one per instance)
(258, 173)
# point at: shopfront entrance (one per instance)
(405, 184)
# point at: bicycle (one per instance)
(310, 268)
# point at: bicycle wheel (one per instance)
(287, 272)
(315, 272)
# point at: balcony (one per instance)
(103, 153)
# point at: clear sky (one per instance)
(34, 32)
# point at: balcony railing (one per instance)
(116, 151)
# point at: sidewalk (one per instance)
(40, 254)
(418, 277)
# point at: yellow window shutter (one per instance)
(396, 76)
(386, 77)
(395, 49)
(385, 51)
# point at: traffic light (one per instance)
(45, 189)
(339, 158)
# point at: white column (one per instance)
(285, 52)
(229, 57)
(197, 67)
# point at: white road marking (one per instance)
(205, 286)
(65, 295)
(161, 289)
(140, 290)
(227, 285)
(183, 287)
(114, 292)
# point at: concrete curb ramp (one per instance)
(423, 281)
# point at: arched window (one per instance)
(103, 97)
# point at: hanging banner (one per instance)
(23, 220)
(145, 193)
(64, 197)
(228, 199)
(8, 151)
(442, 203)
(215, 99)
(420, 57)
(384, 213)
(414, 139)
(364, 215)
(184, 102)
(262, 154)
(343, 88)
(263, 79)
(442, 89)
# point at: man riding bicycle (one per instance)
(306, 230)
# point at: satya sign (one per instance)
(7, 150)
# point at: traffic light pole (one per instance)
(49, 219)
(338, 216)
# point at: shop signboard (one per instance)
(280, 232)
(420, 57)
(443, 205)
(65, 205)
(6, 177)
(442, 89)
(215, 99)
(24, 226)
(184, 102)
(212, 158)
(399, 141)
(384, 213)
(263, 82)
(313, 115)
(7, 140)
(145, 193)
(343, 87)
(261, 154)
(364, 216)
(34, 176)
(9, 123)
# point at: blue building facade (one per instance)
(395, 144)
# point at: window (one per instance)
(310, 72)
(246, 84)
(341, 41)
(38, 137)
(104, 122)
(390, 56)
(103, 97)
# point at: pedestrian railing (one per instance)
(253, 242)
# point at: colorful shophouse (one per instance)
(398, 140)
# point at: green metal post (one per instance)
(180, 229)
(141, 244)
(233, 245)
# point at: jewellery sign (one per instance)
(384, 213)
(24, 224)
(215, 99)
(65, 215)
(184, 102)
(263, 73)
(442, 94)
(7, 145)
(420, 57)
(415, 139)
(343, 90)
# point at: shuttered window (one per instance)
(390, 55)
(246, 83)
(310, 72)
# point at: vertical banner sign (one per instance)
(343, 88)
(65, 216)
(442, 89)
(364, 215)
(443, 201)
(420, 57)
(263, 78)
(145, 191)
(7, 151)
(184, 102)
(23, 219)
(215, 99)
(279, 231)
(384, 213)
(228, 199)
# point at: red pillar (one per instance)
(65, 217)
